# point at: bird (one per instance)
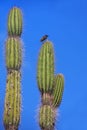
(43, 38)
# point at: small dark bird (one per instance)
(43, 38)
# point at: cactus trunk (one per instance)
(47, 117)
(13, 58)
(12, 99)
(11, 128)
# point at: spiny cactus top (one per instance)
(15, 22)
(45, 74)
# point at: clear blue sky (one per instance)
(65, 21)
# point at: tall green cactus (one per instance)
(13, 64)
(50, 86)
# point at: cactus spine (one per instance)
(51, 87)
(13, 64)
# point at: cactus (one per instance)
(13, 58)
(51, 87)
(15, 22)
(13, 53)
(47, 117)
(12, 100)
(58, 91)
(45, 75)
(47, 99)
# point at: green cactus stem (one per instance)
(13, 53)
(12, 101)
(15, 22)
(45, 74)
(46, 118)
(58, 90)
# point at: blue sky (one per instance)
(65, 21)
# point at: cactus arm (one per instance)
(58, 91)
